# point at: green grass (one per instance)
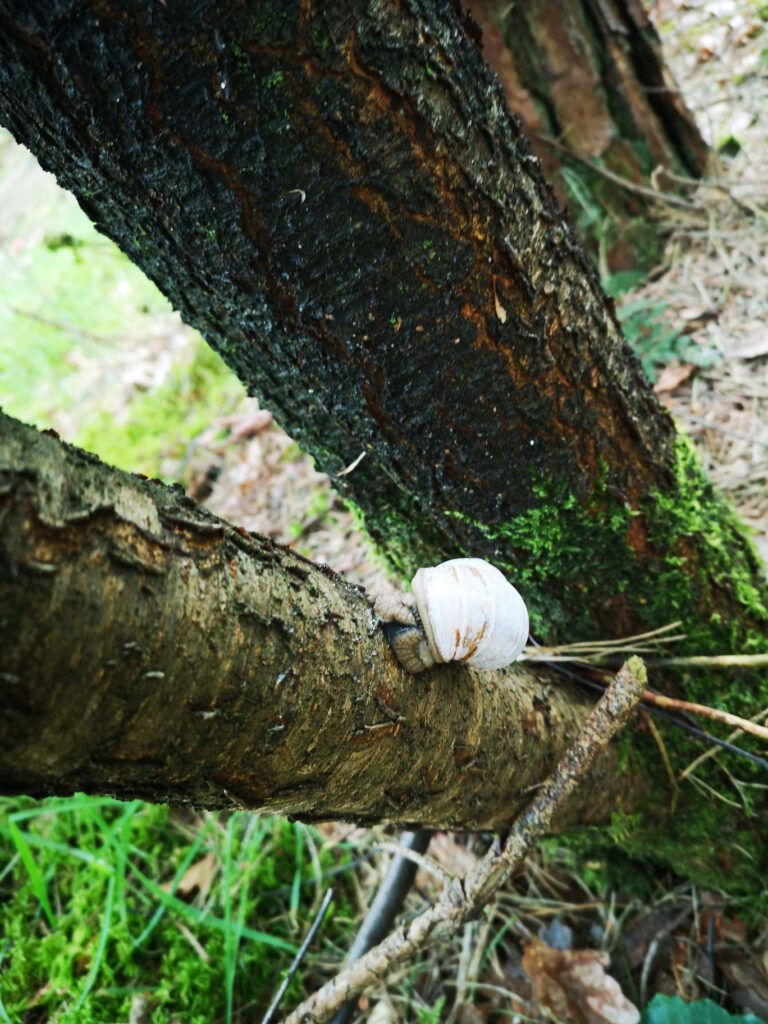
(94, 912)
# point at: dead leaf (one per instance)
(573, 985)
(452, 856)
(672, 376)
(198, 876)
(754, 343)
(747, 979)
(382, 1013)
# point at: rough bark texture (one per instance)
(339, 200)
(588, 81)
(337, 197)
(148, 649)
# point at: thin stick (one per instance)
(299, 957)
(430, 866)
(459, 901)
(714, 751)
(719, 660)
(716, 744)
(630, 186)
(658, 739)
(539, 652)
(734, 721)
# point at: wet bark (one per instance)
(336, 196)
(588, 80)
(148, 649)
(340, 202)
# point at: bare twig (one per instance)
(387, 902)
(589, 651)
(705, 711)
(718, 660)
(630, 186)
(416, 858)
(459, 900)
(715, 750)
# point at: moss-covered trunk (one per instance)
(338, 198)
(603, 113)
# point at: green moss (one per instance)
(94, 910)
(629, 851)
(569, 556)
(566, 552)
(573, 555)
(693, 515)
(400, 538)
(274, 80)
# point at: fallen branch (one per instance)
(461, 900)
(705, 711)
(387, 903)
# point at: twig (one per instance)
(298, 958)
(716, 744)
(714, 751)
(414, 855)
(664, 932)
(718, 660)
(630, 186)
(658, 739)
(588, 651)
(386, 903)
(705, 711)
(460, 901)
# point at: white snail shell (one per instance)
(470, 613)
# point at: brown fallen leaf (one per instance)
(452, 856)
(573, 985)
(198, 876)
(747, 979)
(672, 376)
(753, 343)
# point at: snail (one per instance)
(461, 610)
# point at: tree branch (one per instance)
(149, 649)
(459, 900)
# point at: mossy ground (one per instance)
(105, 902)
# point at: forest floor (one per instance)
(89, 348)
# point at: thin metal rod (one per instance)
(298, 958)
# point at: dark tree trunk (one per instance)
(336, 196)
(588, 80)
